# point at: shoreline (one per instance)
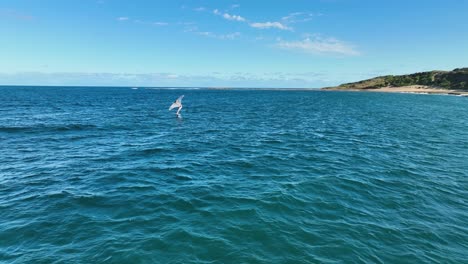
(414, 89)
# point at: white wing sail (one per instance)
(174, 105)
(177, 103)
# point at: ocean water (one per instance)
(109, 175)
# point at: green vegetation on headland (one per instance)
(453, 80)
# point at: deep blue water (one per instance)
(109, 175)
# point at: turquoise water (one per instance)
(109, 175)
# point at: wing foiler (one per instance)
(177, 104)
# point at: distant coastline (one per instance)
(416, 89)
(434, 82)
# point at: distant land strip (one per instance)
(438, 82)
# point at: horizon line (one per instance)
(163, 87)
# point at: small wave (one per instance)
(175, 88)
(75, 127)
(137, 188)
(152, 151)
(178, 171)
(13, 129)
(45, 128)
(242, 163)
(183, 177)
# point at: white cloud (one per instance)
(298, 17)
(233, 17)
(142, 22)
(205, 33)
(168, 79)
(186, 23)
(160, 23)
(235, 6)
(291, 15)
(229, 16)
(200, 9)
(230, 36)
(266, 25)
(319, 45)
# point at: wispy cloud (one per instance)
(233, 17)
(229, 16)
(159, 23)
(266, 25)
(195, 30)
(298, 17)
(291, 15)
(138, 21)
(167, 79)
(172, 76)
(200, 9)
(319, 45)
(230, 36)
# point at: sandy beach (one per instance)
(421, 89)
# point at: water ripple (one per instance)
(112, 177)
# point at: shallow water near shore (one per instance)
(109, 175)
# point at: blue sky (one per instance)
(236, 43)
